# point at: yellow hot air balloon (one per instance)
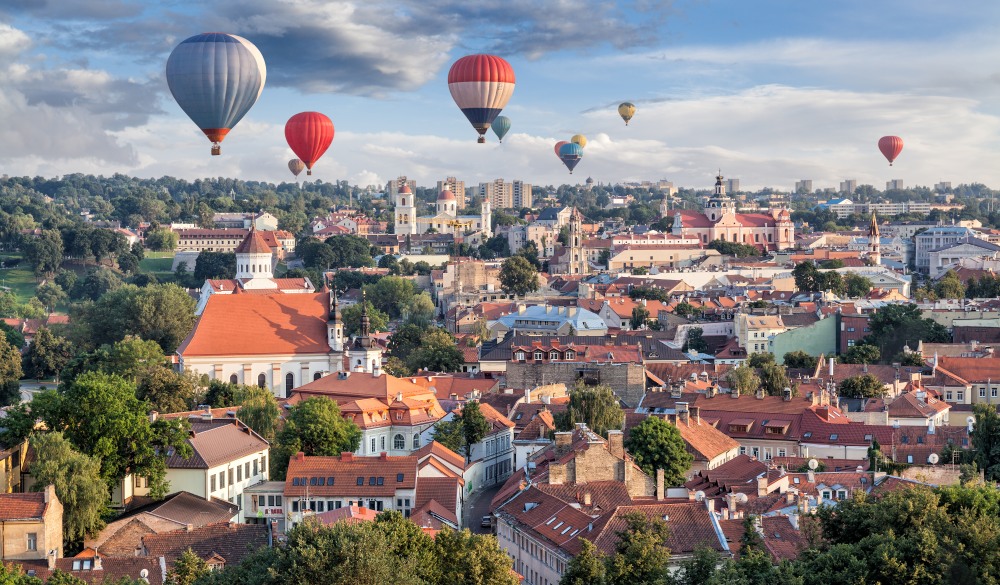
(579, 139)
(626, 110)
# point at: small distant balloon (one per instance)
(570, 154)
(216, 78)
(296, 166)
(579, 139)
(626, 110)
(560, 145)
(890, 146)
(501, 126)
(309, 134)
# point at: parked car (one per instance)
(487, 522)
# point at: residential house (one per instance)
(32, 526)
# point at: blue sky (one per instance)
(768, 91)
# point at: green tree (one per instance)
(128, 263)
(651, 293)
(78, 484)
(350, 252)
(856, 286)
(641, 554)
(168, 391)
(799, 359)
(640, 316)
(894, 326)
(863, 386)
(774, 379)
(98, 282)
(215, 265)
(13, 336)
(695, 341)
(950, 286)
(656, 444)
(101, 416)
(161, 239)
(760, 359)
(986, 440)
(472, 559)
(518, 276)
(314, 427)
(449, 433)
(743, 380)
(129, 358)
(437, 352)
(47, 355)
(163, 313)
(50, 294)
(474, 425)
(418, 310)
(44, 252)
(700, 568)
(806, 276)
(404, 340)
(597, 406)
(861, 354)
(10, 373)
(260, 411)
(187, 569)
(586, 568)
(391, 294)
(734, 248)
(378, 321)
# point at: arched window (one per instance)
(416, 441)
(317, 375)
(233, 379)
(398, 442)
(289, 382)
(261, 380)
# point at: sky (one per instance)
(768, 91)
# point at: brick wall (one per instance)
(628, 381)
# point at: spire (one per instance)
(873, 228)
(365, 322)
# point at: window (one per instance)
(553, 355)
(371, 480)
(416, 441)
(317, 376)
(255, 468)
(373, 445)
(841, 494)
(270, 501)
(827, 495)
(993, 392)
(398, 442)
(519, 356)
(539, 355)
(781, 452)
(239, 473)
(948, 396)
(222, 479)
(570, 355)
(261, 380)
(212, 484)
(382, 442)
(381, 481)
(361, 480)
(399, 478)
(289, 382)
(982, 392)
(909, 458)
(743, 450)
(960, 395)
(312, 481)
(230, 476)
(32, 541)
(233, 379)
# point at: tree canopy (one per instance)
(518, 276)
(656, 444)
(597, 406)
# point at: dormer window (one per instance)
(539, 356)
(570, 355)
(519, 356)
(553, 355)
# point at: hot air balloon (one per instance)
(626, 110)
(570, 154)
(560, 145)
(309, 134)
(296, 166)
(579, 139)
(890, 146)
(216, 78)
(501, 126)
(481, 86)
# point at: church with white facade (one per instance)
(445, 219)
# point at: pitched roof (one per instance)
(111, 571)
(230, 541)
(350, 474)
(22, 506)
(238, 325)
(216, 442)
(253, 244)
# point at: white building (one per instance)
(445, 220)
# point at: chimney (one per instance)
(153, 415)
(97, 563)
(762, 485)
(760, 394)
(616, 443)
(682, 414)
(50, 493)
(527, 396)
(383, 456)
(564, 439)
(710, 505)
(346, 456)
(789, 498)
(586, 499)
(811, 476)
(659, 484)
(787, 392)
(377, 367)
(189, 527)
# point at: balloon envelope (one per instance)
(309, 134)
(890, 146)
(296, 166)
(579, 139)
(501, 126)
(481, 85)
(560, 145)
(626, 110)
(570, 154)
(216, 78)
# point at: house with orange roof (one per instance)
(491, 460)
(32, 525)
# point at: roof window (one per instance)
(399, 478)
(361, 480)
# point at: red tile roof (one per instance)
(230, 541)
(22, 506)
(243, 325)
(378, 476)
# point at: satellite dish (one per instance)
(933, 458)
(971, 420)
(741, 498)
(699, 496)
(144, 573)
(813, 464)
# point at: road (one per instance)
(478, 505)
(29, 389)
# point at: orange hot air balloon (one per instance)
(559, 145)
(890, 146)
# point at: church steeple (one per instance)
(365, 321)
(874, 244)
(365, 355)
(335, 326)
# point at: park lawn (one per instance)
(157, 262)
(20, 281)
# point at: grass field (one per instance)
(157, 262)
(21, 282)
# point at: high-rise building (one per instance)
(394, 185)
(804, 186)
(732, 186)
(455, 186)
(497, 193)
(521, 194)
(848, 186)
(895, 184)
(943, 187)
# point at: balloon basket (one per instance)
(482, 140)
(309, 172)
(216, 149)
